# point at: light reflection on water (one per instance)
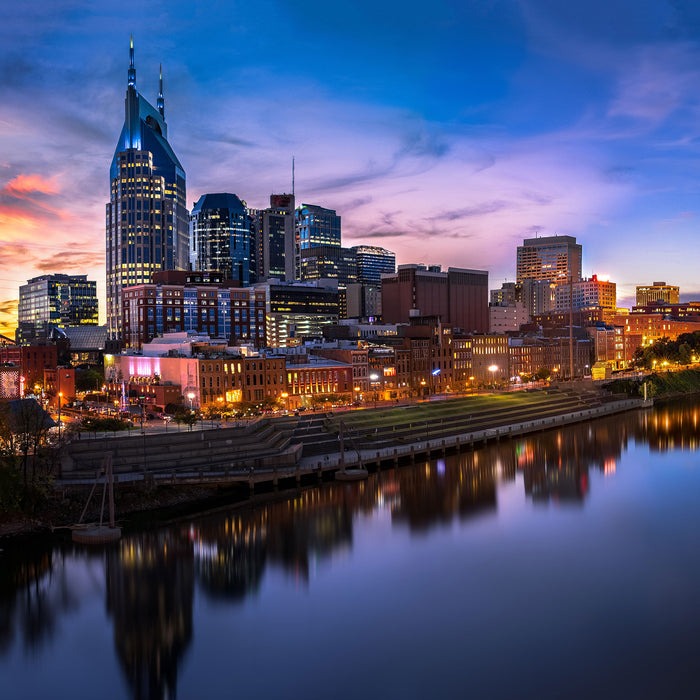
(563, 564)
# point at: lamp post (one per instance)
(60, 396)
(285, 396)
(493, 369)
(374, 378)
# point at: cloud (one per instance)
(23, 185)
(476, 210)
(9, 306)
(70, 260)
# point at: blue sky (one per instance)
(445, 131)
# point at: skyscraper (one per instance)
(314, 226)
(146, 217)
(277, 240)
(221, 236)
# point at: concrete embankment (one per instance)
(291, 449)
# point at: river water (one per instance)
(563, 565)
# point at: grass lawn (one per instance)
(431, 410)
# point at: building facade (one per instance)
(278, 245)
(658, 291)
(372, 263)
(552, 258)
(587, 294)
(459, 296)
(146, 217)
(55, 301)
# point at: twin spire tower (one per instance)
(146, 216)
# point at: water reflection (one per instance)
(150, 591)
(149, 580)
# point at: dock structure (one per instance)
(286, 451)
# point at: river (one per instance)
(562, 565)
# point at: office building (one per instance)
(458, 297)
(658, 291)
(587, 294)
(220, 232)
(277, 239)
(328, 262)
(372, 263)
(314, 226)
(55, 301)
(552, 258)
(146, 217)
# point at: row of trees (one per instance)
(28, 455)
(680, 351)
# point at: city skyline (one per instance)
(447, 137)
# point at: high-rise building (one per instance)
(373, 262)
(277, 238)
(314, 226)
(220, 233)
(146, 217)
(55, 301)
(328, 262)
(552, 258)
(659, 291)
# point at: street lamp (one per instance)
(60, 396)
(190, 396)
(285, 396)
(493, 369)
(374, 378)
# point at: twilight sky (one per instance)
(445, 131)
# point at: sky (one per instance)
(446, 131)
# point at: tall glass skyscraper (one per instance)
(221, 236)
(314, 226)
(146, 218)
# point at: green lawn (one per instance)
(434, 410)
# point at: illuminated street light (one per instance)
(493, 369)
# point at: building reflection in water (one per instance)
(150, 591)
(151, 577)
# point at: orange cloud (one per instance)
(26, 184)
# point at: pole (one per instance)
(571, 327)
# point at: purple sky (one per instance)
(446, 132)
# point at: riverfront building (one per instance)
(55, 301)
(146, 216)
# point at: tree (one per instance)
(685, 354)
(186, 416)
(542, 373)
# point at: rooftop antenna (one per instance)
(132, 70)
(292, 176)
(161, 101)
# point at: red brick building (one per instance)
(459, 297)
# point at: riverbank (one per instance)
(391, 435)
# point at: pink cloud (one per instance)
(23, 185)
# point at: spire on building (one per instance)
(161, 101)
(132, 70)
